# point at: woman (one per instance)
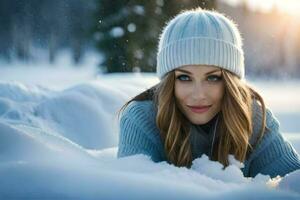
(203, 105)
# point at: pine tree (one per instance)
(110, 33)
(127, 32)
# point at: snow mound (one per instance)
(60, 144)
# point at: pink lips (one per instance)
(199, 109)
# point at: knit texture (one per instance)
(200, 37)
(273, 155)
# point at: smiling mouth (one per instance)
(199, 109)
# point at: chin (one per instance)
(199, 121)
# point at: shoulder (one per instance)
(142, 116)
(271, 120)
(272, 123)
(140, 112)
(138, 131)
(272, 137)
(139, 109)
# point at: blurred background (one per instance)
(122, 35)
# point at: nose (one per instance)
(199, 92)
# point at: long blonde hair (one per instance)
(235, 123)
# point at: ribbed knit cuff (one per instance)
(204, 50)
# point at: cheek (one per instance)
(218, 94)
(181, 92)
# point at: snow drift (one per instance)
(63, 143)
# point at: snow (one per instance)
(59, 136)
(117, 32)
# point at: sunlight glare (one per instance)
(290, 7)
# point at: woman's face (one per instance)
(199, 90)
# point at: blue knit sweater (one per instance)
(273, 155)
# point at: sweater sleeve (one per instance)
(274, 154)
(138, 134)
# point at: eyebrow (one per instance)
(185, 71)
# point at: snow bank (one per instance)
(40, 164)
(59, 144)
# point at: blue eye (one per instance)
(214, 78)
(183, 78)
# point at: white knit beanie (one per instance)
(200, 37)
